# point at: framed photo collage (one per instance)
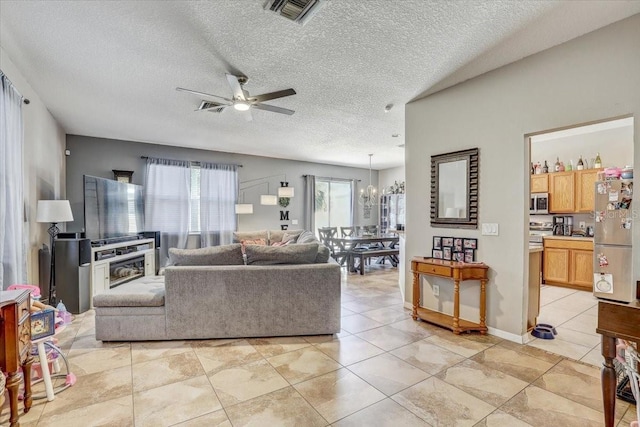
(454, 249)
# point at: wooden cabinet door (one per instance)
(582, 268)
(562, 192)
(556, 265)
(540, 183)
(585, 189)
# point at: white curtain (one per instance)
(12, 249)
(309, 208)
(218, 195)
(166, 203)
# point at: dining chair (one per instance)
(347, 231)
(327, 234)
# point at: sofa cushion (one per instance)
(254, 242)
(279, 235)
(323, 255)
(239, 236)
(307, 237)
(289, 254)
(146, 291)
(212, 255)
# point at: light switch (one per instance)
(294, 222)
(490, 229)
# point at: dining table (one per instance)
(348, 247)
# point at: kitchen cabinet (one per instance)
(540, 183)
(562, 192)
(585, 189)
(568, 262)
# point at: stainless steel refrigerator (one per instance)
(612, 261)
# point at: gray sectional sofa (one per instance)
(212, 293)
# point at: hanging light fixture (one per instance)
(369, 196)
(243, 208)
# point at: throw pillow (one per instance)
(323, 254)
(289, 254)
(290, 238)
(306, 237)
(254, 242)
(239, 236)
(213, 255)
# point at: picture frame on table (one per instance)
(469, 255)
(437, 242)
(457, 244)
(446, 253)
(436, 253)
(447, 241)
(470, 244)
(458, 256)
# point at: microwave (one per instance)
(539, 203)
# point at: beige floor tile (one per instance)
(358, 305)
(583, 323)
(85, 362)
(487, 384)
(629, 416)
(301, 365)
(212, 419)
(501, 419)
(241, 383)
(486, 339)
(387, 315)
(578, 382)
(358, 323)
(318, 339)
(114, 413)
(280, 408)
(576, 303)
(338, 394)
(219, 357)
(388, 373)
(457, 344)
(30, 418)
(549, 294)
(594, 357)
(150, 350)
(388, 338)
(174, 403)
(439, 403)
(91, 389)
(346, 312)
(348, 350)
(277, 345)
(427, 356)
(88, 343)
(415, 327)
(581, 338)
(555, 316)
(532, 351)
(158, 372)
(519, 365)
(385, 413)
(539, 407)
(564, 348)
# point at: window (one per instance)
(334, 201)
(194, 223)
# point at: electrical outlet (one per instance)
(436, 290)
(294, 222)
(582, 225)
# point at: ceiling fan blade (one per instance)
(206, 95)
(272, 95)
(274, 109)
(235, 87)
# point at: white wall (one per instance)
(590, 78)
(44, 161)
(386, 177)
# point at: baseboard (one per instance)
(408, 305)
(520, 339)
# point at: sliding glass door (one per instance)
(334, 203)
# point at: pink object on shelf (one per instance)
(612, 172)
(35, 290)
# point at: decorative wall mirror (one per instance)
(454, 189)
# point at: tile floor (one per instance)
(383, 369)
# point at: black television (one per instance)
(111, 208)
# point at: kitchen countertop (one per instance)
(534, 249)
(584, 239)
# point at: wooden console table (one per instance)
(615, 320)
(15, 346)
(458, 272)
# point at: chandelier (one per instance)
(369, 196)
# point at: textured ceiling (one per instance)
(110, 68)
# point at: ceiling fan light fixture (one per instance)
(241, 105)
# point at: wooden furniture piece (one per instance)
(15, 346)
(362, 247)
(585, 189)
(535, 268)
(458, 272)
(540, 183)
(568, 262)
(569, 192)
(615, 320)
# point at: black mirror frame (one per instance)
(471, 220)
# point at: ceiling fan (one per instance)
(241, 100)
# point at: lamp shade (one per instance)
(53, 211)
(268, 199)
(285, 192)
(244, 208)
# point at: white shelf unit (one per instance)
(103, 259)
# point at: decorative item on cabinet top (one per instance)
(454, 249)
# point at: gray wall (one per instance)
(98, 157)
(593, 77)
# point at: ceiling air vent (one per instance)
(211, 107)
(300, 11)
